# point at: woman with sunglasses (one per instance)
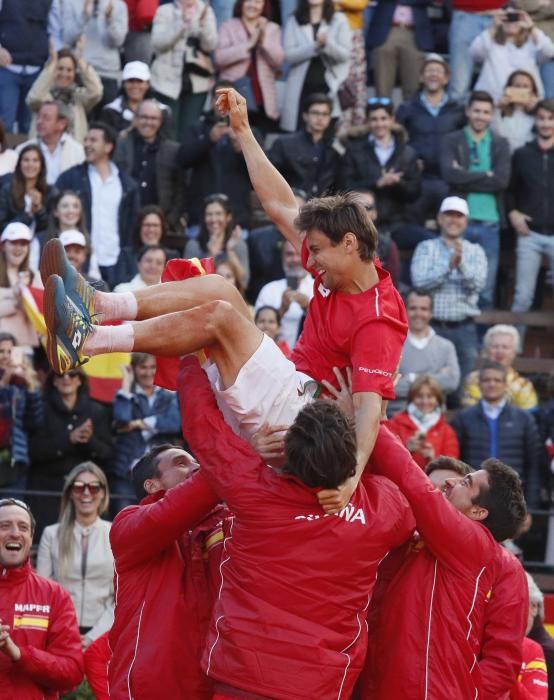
(219, 234)
(76, 551)
(75, 428)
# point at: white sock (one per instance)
(104, 339)
(116, 306)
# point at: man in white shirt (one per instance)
(60, 150)
(290, 295)
(110, 202)
(424, 351)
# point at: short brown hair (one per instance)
(450, 463)
(320, 446)
(431, 382)
(546, 104)
(503, 499)
(338, 215)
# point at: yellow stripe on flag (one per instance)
(107, 366)
(32, 311)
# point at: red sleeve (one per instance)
(96, 667)
(60, 666)
(504, 629)
(375, 355)
(532, 683)
(228, 460)
(451, 446)
(139, 533)
(457, 541)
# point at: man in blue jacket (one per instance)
(495, 428)
(428, 117)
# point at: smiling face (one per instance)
(434, 77)
(252, 9)
(15, 252)
(149, 121)
(174, 466)
(452, 224)
(135, 89)
(30, 164)
(419, 310)
(151, 266)
(380, 123)
(462, 491)
(86, 495)
(96, 147)
(68, 384)
(479, 115)
(64, 75)
(145, 373)
(15, 536)
(425, 400)
(216, 219)
(333, 262)
(267, 321)
(68, 212)
(151, 230)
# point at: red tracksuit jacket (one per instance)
(163, 596)
(44, 626)
(289, 621)
(532, 683)
(430, 622)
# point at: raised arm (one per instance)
(452, 537)
(273, 191)
(139, 533)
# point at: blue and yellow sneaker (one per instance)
(54, 262)
(68, 328)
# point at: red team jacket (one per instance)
(441, 436)
(430, 623)
(287, 627)
(44, 626)
(163, 595)
(532, 683)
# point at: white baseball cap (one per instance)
(454, 204)
(136, 70)
(73, 237)
(16, 231)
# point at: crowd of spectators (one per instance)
(440, 115)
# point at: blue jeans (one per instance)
(13, 91)
(547, 75)
(464, 27)
(223, 10)
(466, 342)
(488, 236)
(530, 250)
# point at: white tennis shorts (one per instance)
(268, 389)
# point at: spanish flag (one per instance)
(104, 371)
(167, 368)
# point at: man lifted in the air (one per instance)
(356, 318)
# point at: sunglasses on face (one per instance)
(79, 488)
